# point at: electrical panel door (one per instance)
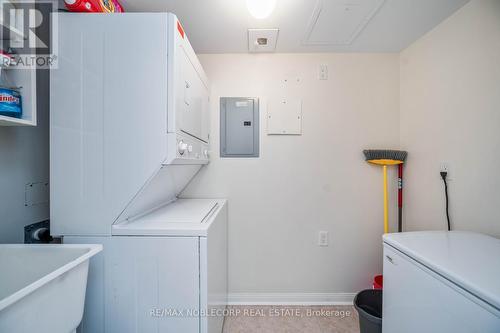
(239, 127)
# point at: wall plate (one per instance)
(284, 117)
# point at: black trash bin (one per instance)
(369, 305)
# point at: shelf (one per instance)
(18, 77)
(10, 33)
(14, 29)
(11, 121)
(25, 78)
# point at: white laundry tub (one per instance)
(42, 287)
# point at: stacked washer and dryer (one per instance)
(129, 129)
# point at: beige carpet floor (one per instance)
(291, 319)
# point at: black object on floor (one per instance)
(368, 303)
(37, 233)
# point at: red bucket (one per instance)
(378, 282)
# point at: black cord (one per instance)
(443, 175)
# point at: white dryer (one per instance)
(443, 282)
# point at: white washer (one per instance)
(163, 272)
(442, 282)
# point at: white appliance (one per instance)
(164, 272)
(442, 282)
(129, 128)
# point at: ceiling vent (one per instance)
(262, 40)
(339, 22)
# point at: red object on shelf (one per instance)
(94, 6)
(378, 282)
(118, 7)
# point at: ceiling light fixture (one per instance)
(261, 9)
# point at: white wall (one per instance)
(24, 158)
(303, 184)
(450, 112)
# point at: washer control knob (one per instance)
(182, 147)
(205, 153)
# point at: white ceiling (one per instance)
(220, 26)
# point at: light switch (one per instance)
(323, 72)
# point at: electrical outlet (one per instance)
(323, 238)
(323, 72)
(445, 167)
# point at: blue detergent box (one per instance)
(10, 103)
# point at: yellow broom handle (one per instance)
(386, 204)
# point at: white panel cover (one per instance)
(284, 116)
(339, 22)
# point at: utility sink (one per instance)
(42, 287)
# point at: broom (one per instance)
(385, 158)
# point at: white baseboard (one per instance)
(291, 298)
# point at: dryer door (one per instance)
(194, 108)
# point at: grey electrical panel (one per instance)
(239, 127)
